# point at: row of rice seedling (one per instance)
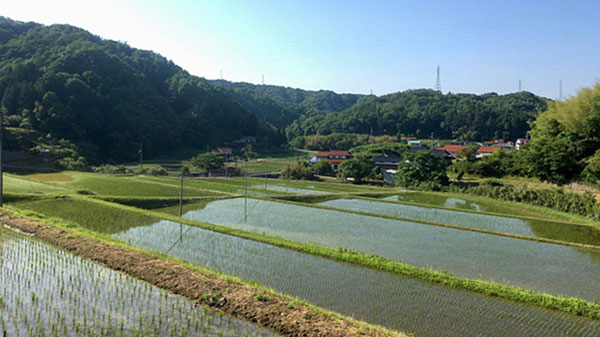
(549, 268)
(374, 296)
(48, 292)
(527, 227)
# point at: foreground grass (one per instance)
(571, 305)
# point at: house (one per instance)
(520, 142)
(505, 145)
(415, 143)
(451, 149)
(442, 154)
(389, 176)
(486, 151)
(387, 161)
(225, 152)
(335, 157)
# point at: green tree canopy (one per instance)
(358, 168)
(421, 167)
(208, 161)
(564, 136)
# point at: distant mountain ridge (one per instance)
(282, 105)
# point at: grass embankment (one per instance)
(571, 305)
(286, 315)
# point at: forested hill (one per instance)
(282, 105)
(421, 112)
(105, 98)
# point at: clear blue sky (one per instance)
(354, 46)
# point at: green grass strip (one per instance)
(567, 304)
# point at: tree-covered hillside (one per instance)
(421, 112)
(280, 106)
(61, 82)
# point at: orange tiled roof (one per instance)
(451, 148)
(488, 149)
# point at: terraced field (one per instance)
(527, 227)
(532, 265)
(406, 304)
(48, 292)
(377, 297)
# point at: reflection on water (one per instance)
(528, 264)
(535, 228)
(377, 297)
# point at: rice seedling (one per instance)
(376, 297)
(48, 292)
(548, 268)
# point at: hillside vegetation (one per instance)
(421, 112)
(105, 98)
(282, 105)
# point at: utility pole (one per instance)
(246, 190)
(181, 193)
(1, 173)
(141, 152)
(181, 205)
(265, 175)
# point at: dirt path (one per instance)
(241, 301)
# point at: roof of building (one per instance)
(488, 149)
(223, 149)
(339, 152)
(451, 148)
(335, 161)
(333, 153)
(440, 153)
(391, 159)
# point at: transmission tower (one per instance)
(560, 90)
(519, 85)
(438, 84)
